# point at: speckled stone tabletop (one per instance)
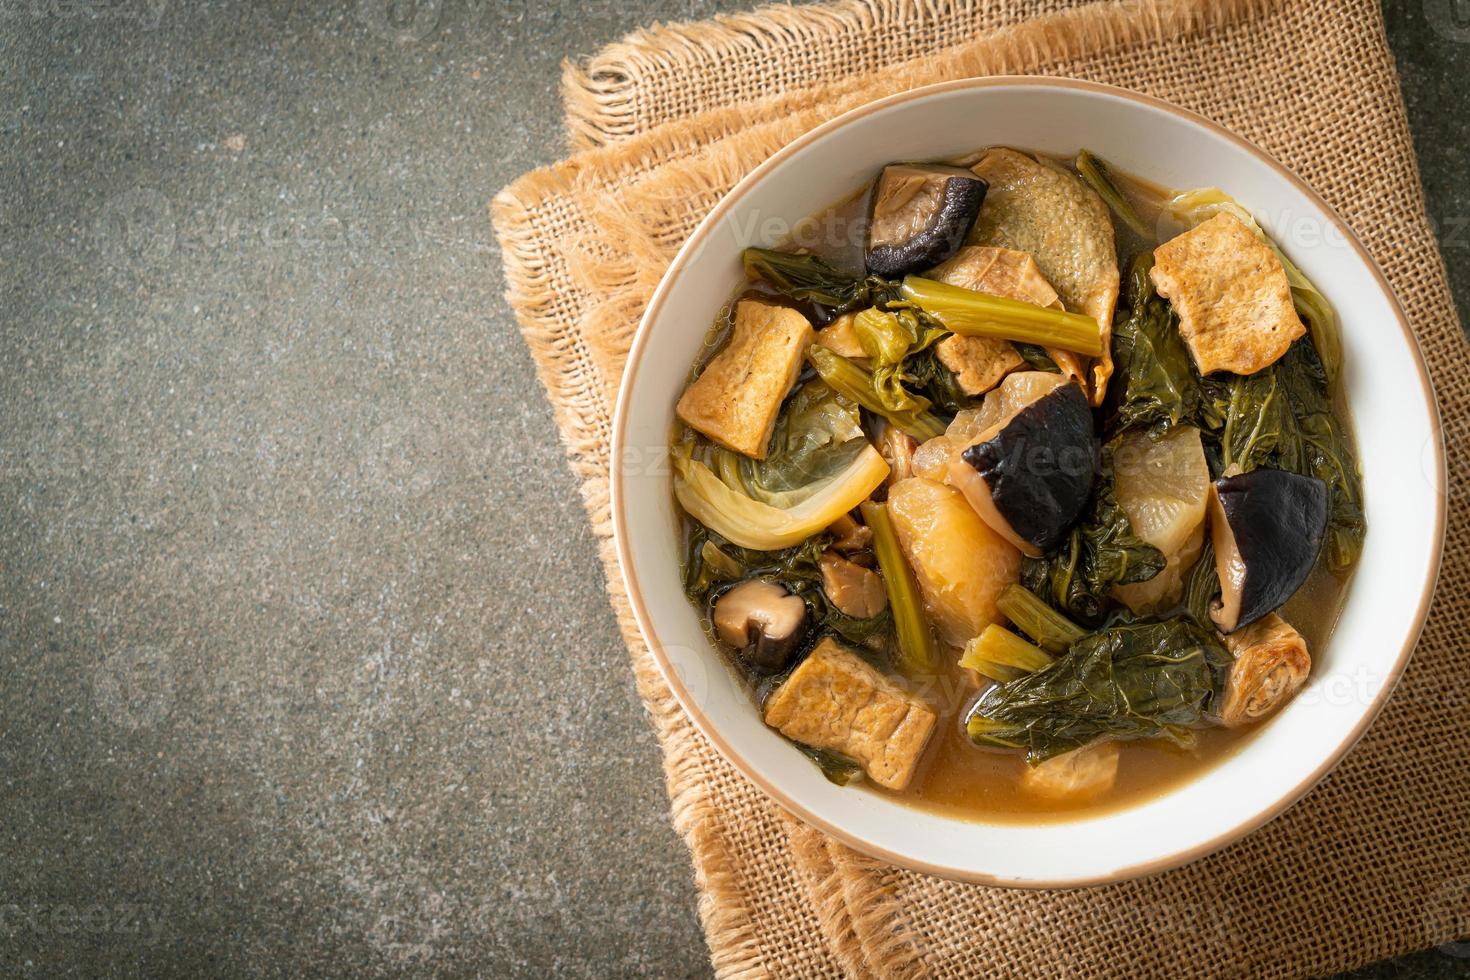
(305, 662)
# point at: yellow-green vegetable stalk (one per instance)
(976, 314)
(1028, 613)
(918, 651)
(1003, 656)
(849, 379)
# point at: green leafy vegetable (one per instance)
(890, 339)
(730, 510)
(918, 652)
(1249, 418)
(806, 278)
(1154, 382)
(1192, 207)
(1202, 587)
(1097, 176)
(837, 767)
(1036, 358)
(1282, 417)
(1101, 551)
(818, 434)
(937, 382)
(904, 409)
(1028, 613)
(975, 314)
(1003, 656)
(1325, 452)
(1141, 680)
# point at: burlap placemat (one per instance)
(1376, 860)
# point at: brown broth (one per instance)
(959, 779)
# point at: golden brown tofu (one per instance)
(1037, 207)
(835, 700)
(1076, 776)
(1231, 294)
(979, 363)
(736, 399)
(839, 337)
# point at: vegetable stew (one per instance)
(1018, 487)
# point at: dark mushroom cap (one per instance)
(763, 621)
(1267, 527)
(920, 215)
(1038, 469)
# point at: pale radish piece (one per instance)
(1014, 393)
(960, 564)
(1163, 485)
(933, 457)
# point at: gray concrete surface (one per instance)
(305, 664)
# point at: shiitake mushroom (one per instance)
(1030, 478)
(763, 621)
(921, 213)
(1267, 527)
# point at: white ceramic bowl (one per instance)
(1393, 406)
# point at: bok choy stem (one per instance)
(918, 652)
(1097, 176)
(848, 379)
(1003, 656)
(975, 314)
(1048, 628)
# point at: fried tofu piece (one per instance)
(1037, 207)
(999, 272)
(1082, 774)
(1231, 294)
(837, 701)
(736, 399)
(839, 337)
(979, 363)
(1271, 665)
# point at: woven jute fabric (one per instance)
(1376, 860)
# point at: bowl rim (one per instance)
(795, 807)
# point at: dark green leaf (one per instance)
(806, 278)
(818, 434)
(1154, 381)
(1101, 551)
(1282, 417)
(1036, 358)
(1142, 680)
(836, 767)
(1202, 587)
